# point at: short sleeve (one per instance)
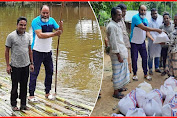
(9, 41)
(161, 27)
(136, 20)
(36, 25)
(55, 24)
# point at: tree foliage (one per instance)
(162, 7)
(103, 9)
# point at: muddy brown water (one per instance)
(80, 61)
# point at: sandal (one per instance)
(50, 96)
(148, 77)
(163, 73)
(150, 72)
(118, 95)
(15, 108)
(33, 99)
(158, 70)
(122, 89)
(135, 78)
(24, 108)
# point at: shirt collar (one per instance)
(114, 22)
(167, 26)
(140, 17)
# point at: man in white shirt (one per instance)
(154, 50)
(118, 53)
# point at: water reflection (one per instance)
(85, 29)
(80, 60)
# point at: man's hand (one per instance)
(159, 31)
(162, 43)
(60, 23)
(8, 69)
(119, 58)
(58, 33)
(31, 67)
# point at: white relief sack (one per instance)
(133, 94)
(171, 82)
(169, 110)
(165, 90)
(117, 115)
(140, 97)
(135, 112)
(125, 103)
(151, 107)
(170, 98)
(175, 89)
(156, 95)
(161, 38)
(145, 86)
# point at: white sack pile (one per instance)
(143, 101)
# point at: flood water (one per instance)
(80, 61)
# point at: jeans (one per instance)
(156, 62)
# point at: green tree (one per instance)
(162, 7)
(103, 9)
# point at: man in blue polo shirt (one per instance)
(139, 30)
(43, 26)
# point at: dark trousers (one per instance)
(19, 75)
(46, 59)
(163, 59)
(141, 48)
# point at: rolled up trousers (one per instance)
(46, 59)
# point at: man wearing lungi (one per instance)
(125, 33)
(137, 40)
(154, 50)
(118, 53)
